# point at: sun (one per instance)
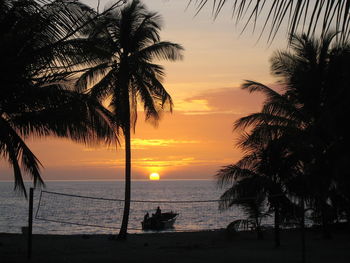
(154, 176)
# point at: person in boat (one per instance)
(146, 217)
(158, 212)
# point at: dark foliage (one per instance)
(38, 53)
(296, 146)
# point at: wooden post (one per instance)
(303, 231)
(30, 223)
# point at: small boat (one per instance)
(159, 222)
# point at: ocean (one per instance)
(72, 213)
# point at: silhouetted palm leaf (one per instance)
(38, 52)
(306, 15)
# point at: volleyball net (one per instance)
(193, 215)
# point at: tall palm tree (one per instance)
(131, 36)
(307, 15)
(34, 98)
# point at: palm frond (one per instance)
(306, 15)
(161, 50)
(253, 86)
(149, 101)
(147, 31)
(17, 150)
(88, 124)
(104, 87)
(91, 76)
(232, 173)
(248, 193)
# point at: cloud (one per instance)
(220, 101)
(168, 164)
(138, 143)
(174, 162)
(193, 105)
(141, 144)
(98, 149)
(164, 162)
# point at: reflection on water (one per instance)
(192, 216)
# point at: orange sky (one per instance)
(197, 139)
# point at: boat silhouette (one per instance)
(159, 221)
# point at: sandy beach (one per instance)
(213, 246)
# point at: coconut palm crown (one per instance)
(35, 100)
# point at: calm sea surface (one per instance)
(104, 215)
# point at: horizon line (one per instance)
(112, 180)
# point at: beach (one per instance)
(206, 246)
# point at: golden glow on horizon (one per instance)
(140, 144)
(154, 176)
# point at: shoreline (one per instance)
(203, 246)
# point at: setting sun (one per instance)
(154, 176)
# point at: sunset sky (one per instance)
(196, 139)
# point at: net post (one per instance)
(30, 224)
(303, 230)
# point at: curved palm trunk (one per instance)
(126, 130)
(124, 227)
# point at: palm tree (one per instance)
(131, 36)
(34, 99)
(314, 73)
(244, 190)
(299, 123)
(263, 172)
(278, 128)
(307, 15)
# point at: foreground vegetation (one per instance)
(40, 51)
(296, 147)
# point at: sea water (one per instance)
(195, 204)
